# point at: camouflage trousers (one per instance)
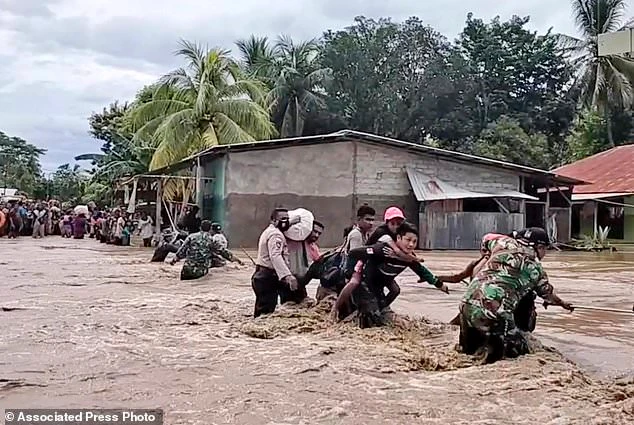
(494, 333)
(193, 271)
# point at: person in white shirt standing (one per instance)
(119, 224)
(145, 229)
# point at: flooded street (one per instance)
(89, 325)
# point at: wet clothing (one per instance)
(79, 227)
(272, 266)
(488, 308)
(378, 272)
(378, 233)
(355, 239)
(221, 240)
(273, 252)
(198, 250)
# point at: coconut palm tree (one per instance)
(294, 75)
(603, 83)
(210, 102)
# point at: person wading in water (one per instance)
(199, 248)
(525, 312)
(375, 268)
(273, 277)
(487, 322)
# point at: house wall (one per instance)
(315, 177)
(382, 181)
(333, 180)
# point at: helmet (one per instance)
(533, 236)
(215, 226)
(392, 213)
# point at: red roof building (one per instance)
(608, 198)
(610, 173)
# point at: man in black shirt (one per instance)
(375, 268)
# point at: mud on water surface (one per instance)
(87, 325)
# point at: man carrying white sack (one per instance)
(301, 239)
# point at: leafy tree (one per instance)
(294, 76)
(19, 163)
(604, 83)
(507, 141)
(211, 102)
(507, 70)
(380, 84)
(589, 135)
(67, 183)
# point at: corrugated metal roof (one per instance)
(348, 135)
(590, 196)
(611, 171)
(427, 188)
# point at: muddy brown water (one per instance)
(89, 325)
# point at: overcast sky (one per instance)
(60, 60)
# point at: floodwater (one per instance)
(86, 325)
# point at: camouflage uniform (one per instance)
(488, 306)
(199, 249)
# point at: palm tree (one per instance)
(603, 83)
(294, 75)
(210, 102)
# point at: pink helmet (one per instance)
(392, 213)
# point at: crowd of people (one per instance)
(49, 218)
(494, 315)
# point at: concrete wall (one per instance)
(381, 178)
(322, 179)
(315, 177)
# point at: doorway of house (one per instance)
(535, 214)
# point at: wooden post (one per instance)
(547, 206)
(199, 185)
(159, 204)
(596, 219)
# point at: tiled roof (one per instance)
(611, 171)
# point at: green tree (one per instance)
(380, 80)
(507, 70)
(211, 102)
(67, 183)
(507, 141)
(19, 163)
(604, 83)
(589, 135)
(294, 76)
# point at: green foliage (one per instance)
(589, 136)
(603, 83)
(507, 141)
(210, 102)
(19, 164)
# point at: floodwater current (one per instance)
(84, 325)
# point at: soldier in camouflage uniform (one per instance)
(487, 323)
(199, 249)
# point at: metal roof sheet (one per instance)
(427, 188)
(611, 171)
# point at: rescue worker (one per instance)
(487, 323)
(374, 270)
(198, 249)
(218, 236)
(273, 278)
(525, 312)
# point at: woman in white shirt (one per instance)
(146, 230)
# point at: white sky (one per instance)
(60, 60)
